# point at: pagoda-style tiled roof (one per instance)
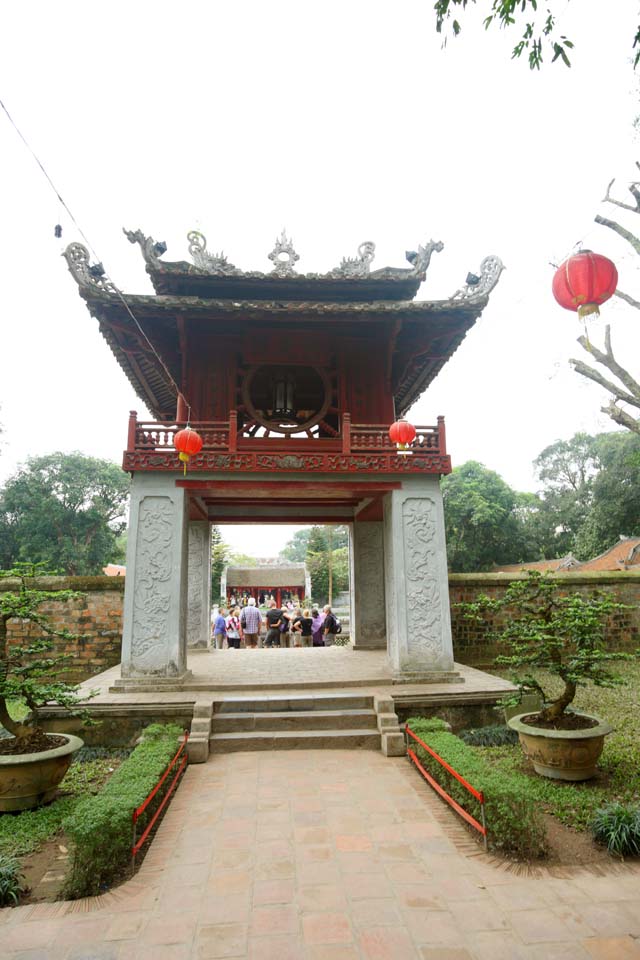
(143, 330)
(267, 575)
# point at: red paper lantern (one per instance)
(584, 281)
(187, 442)
(402, 433)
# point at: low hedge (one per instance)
(514, 821)
(100, 827)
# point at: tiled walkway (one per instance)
(327, 855)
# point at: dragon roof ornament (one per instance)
(479, 286)
(214, 263)
(87, 275)
(151, 251)
(357, 266)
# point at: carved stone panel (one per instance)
(198, 585)
(152, 587)
(368, 574)
(421, 578)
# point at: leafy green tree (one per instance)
(615, 501)
(539, 31)
(220, 553)
(327, 559)
(296, 548)
(567, 470)
(65, 510)
(486, 522)
(564, 635)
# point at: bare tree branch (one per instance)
(619, 416)
(609, 361)
(591, 374)
(621, 231)
(627, 299)
(625, 206)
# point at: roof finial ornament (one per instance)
(357, 266)
(284, 257)
(87, 275)
(151, 251)
(421, 258)
(479, 286)
(215, 263)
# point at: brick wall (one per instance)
(96, 615)
(472, 643)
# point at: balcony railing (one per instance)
(229, 447)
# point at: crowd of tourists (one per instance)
(246, 627)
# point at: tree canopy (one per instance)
(486, 521)
(325, 550)
(539, 33)
(65, 510)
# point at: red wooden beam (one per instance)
(264, 488)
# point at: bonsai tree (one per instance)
(548, 630)
(28, 671)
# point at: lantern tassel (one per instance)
(591, 310)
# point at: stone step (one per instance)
(298, 721)
(276, 704)
(286, 740)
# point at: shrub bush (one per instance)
(494, 736)
(514, 821)
(10, 881)
(100, 827)
(618, 827)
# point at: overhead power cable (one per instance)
(65, 206)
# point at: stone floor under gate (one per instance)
(328, 855)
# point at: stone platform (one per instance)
(277, 676)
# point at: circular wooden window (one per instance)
(286, 399)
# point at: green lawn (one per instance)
(619, 768)
(21, 833)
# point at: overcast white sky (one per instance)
(341, 121)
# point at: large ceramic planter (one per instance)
(562, 754)
(28, 780)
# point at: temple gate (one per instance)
(292, 381)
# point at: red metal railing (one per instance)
(478, 794)
(226, 436)
(181, 760)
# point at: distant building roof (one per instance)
(115, 570)
(623, 555)
(544, 566)
(267, 575)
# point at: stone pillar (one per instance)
(416, 583)
(199, 584)
(155, 602)
(368, 621)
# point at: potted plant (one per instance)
(565, 635)
(32, 762)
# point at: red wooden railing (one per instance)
(226, 436)
(180, 759)
(478, 794)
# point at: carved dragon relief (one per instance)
(422, 593)
(152, 586)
